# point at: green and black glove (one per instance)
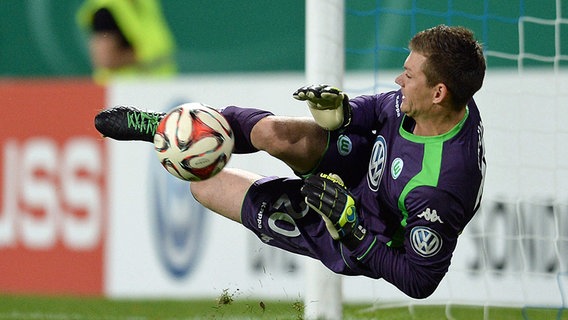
(329, 106)
(328, 196)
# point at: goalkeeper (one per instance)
(388, 181)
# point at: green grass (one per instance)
(228, 307)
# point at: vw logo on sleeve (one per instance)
(425, 241)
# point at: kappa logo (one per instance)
(397, 105)
(425, 241)
(430, 215)
(377, 163)
(260, 214)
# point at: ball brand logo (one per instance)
(179, 223)
(425, 241)
(202, 162)
(377, 163)
(396, 168)
(344, 145)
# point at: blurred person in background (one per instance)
(127, 38)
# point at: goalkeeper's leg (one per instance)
(224, 192)
(274, 209)
(299, 142)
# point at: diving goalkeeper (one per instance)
(386, 182)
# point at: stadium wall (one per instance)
(83, 215)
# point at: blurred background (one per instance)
(41, 38)
(85, 216)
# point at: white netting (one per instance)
(515, 252)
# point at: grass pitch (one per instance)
(227, 307)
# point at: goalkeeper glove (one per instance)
(329, 106)
(328, 196)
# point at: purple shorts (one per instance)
(274, 209)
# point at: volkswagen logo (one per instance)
(425, 241)
(377, 163)
(179, 221)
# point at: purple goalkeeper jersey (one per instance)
(414, 194)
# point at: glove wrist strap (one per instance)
(353, 239)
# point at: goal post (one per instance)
(325, 63)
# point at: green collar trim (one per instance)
(439, 138)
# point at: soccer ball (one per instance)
(193, 142)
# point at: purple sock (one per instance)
(242, 120)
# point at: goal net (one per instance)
(515, 251)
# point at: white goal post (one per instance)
(325, 63)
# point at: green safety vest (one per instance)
(144, 26)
